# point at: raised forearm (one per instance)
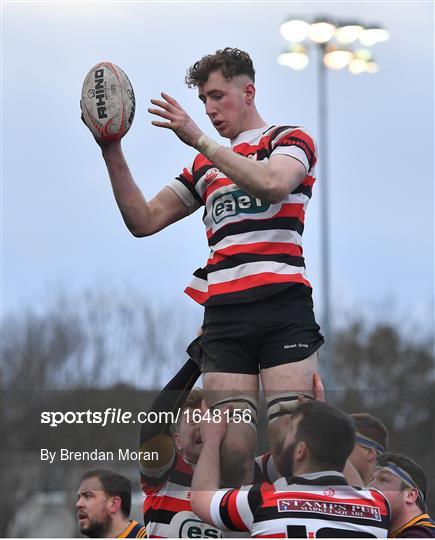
(252, 176)
(170, 399)
(205, 480)
(131, 202)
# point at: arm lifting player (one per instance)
(312, 500)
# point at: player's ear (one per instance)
(249, 93)
(411, 496)
(177, 440)
(301, 451)
(115, 504)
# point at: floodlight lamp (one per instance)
(363, 54)
(372, 35)
(372, 67)
(357, 66)
(295, 30)
(337, 58)
(295, 57)
(348, 33)
(321, 31)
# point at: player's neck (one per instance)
(119, 524)
(253, 121)
(398, 521)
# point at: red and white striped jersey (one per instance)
(265, 469)
(167, 508)
(255, 246)
(316, 505)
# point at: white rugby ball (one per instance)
(107, 102)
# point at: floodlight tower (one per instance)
(340, 44)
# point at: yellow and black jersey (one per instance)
(422, 526)
(133, 530)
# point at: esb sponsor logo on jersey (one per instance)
(194, 528)
(237, 202)
(330, 508)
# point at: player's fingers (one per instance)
(162, 104)
(163, 114)
(162, 124)
(170, 100)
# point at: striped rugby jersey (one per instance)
(255, 246)
(265, 469)
(167, 508)
(422, 526)
(316, 505)
(133, 530)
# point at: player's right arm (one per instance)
(142, 217)
(156, 436)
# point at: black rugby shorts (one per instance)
(247, 337)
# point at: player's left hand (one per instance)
(178, 119)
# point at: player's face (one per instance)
(391, 486)
(364, 461)
(226, 103)
(188, 438)
(92, 509)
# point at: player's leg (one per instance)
(288, 356)
(282, 386)
(239, 392)
(227, 353)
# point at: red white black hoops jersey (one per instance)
(265, 469)
(316, 505)
(255, 246)
(167, 510)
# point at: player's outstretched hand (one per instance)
(212, 428)
(178, 119)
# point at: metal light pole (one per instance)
(322, 101)
(332, 39)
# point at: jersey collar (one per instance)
(250, 136)
(322, 478)
(411, 523)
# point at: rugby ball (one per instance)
(107, 102)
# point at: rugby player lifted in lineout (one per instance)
(258, 307)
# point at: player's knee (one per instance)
(240, 409)
(285, 403)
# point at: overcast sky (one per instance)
(60, 224)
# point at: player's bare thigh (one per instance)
(292, 377)
(295, 377)
(220, 386)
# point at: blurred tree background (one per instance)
(104, 348)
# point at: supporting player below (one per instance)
(167, 483)
(404, 484)
(104, 504)
(313, 500)
(371, 440)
